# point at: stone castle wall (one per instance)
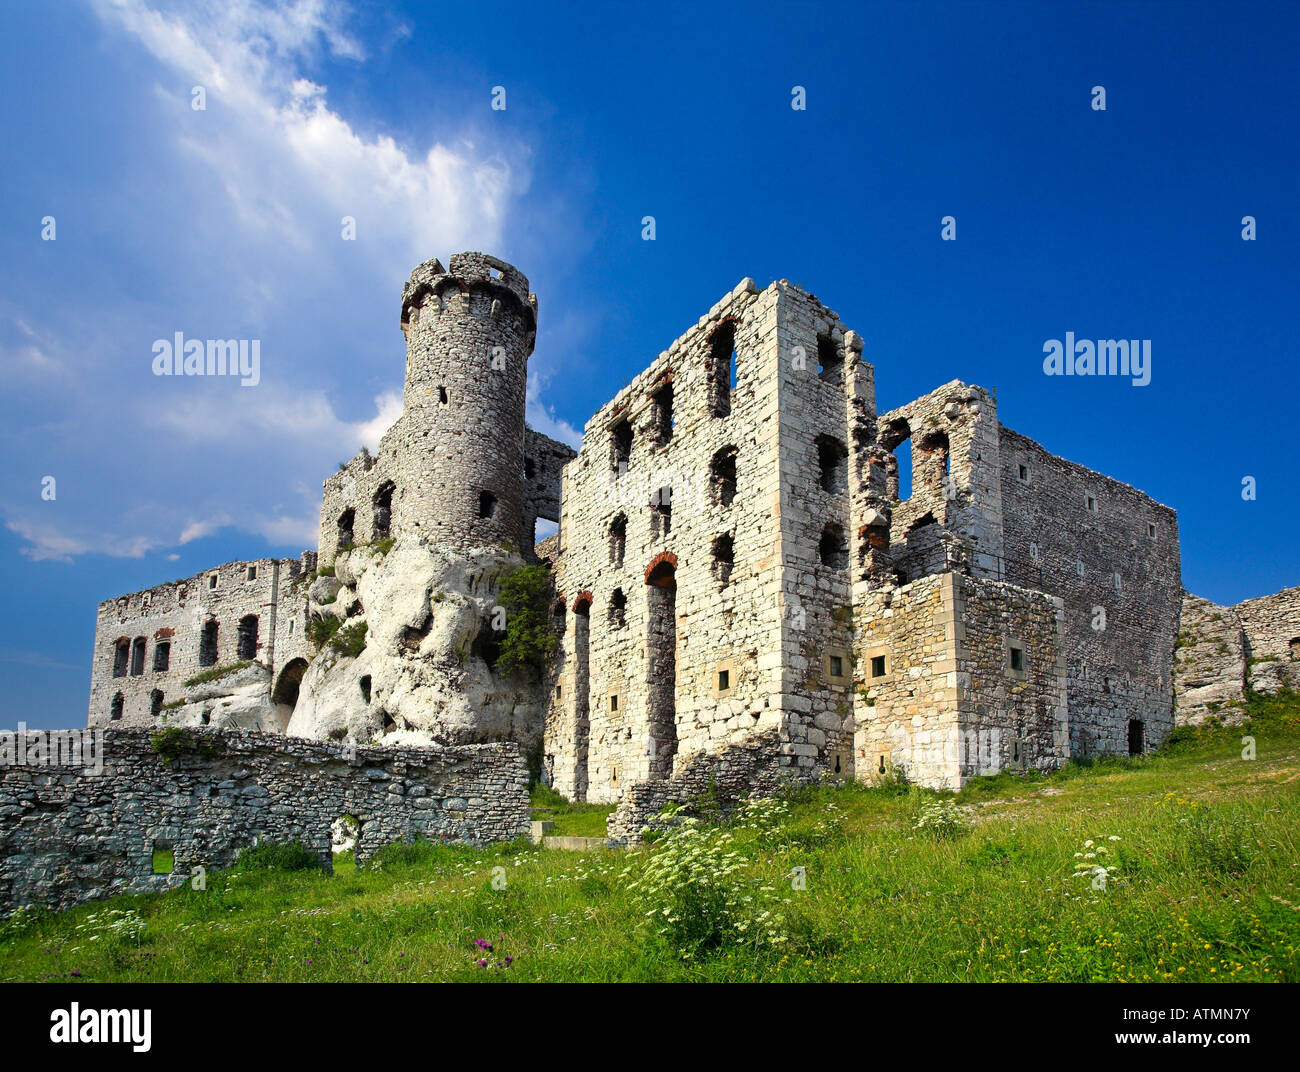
(173, 617)
(69, 835)
(941, 700)
(1111, 553)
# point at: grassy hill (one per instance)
(1000, 882)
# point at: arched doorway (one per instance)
(287, 686)
(661, 665)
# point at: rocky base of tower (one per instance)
(424, 675)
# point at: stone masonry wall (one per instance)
(751, 768)
(175, 615)
(728, 614)
(756, 474)
(940, 700)
(68, 835)
(1111, 553)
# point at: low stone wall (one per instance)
(69, 834)
(750, 768)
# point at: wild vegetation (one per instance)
(1182, 865)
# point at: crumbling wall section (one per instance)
(72, 835)
(173, 632)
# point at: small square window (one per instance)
(1024, 473)
(877, 666)
(1017, 658)
(252, 573)
(837, 666)
(212, 581)
(724, 680)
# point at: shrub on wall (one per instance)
(529, 640)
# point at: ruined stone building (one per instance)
(740, 592)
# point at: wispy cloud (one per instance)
(149, 463)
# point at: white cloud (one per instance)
(542, 418)
(287, 161)
(230, 225)
(45, 543)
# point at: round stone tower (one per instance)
(460, 442)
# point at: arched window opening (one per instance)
(383, 504)
(346, 521)
(722, 368)
(661, 678)
(208, 644)
(116, 708)
(832, 464)
(617, 540)
(121, 656)
(137, 656)
(661, 513)
(896, 438)
(722, 476)
(830, 360)
(620, 446)
(487, 504)
(663, 414)
(832, 549)
(247, 644)
(724, 558)
(162, 655)
(156, 702)
(617, 612)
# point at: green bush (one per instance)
(322, 627)
(350, 640)
(529, 640)
(693, 888)
(173, 743)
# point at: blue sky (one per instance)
(226, 223)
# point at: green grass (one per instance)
(215, 673)
(1204, 888)
(571, 820)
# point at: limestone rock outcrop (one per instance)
(424, 675)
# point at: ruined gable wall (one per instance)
(965, 501)
(733, 626)
(175, 613)
(78, 836)
(1124, 671)
(1272, 624)
(1272, 628)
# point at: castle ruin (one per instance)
(740, 592)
